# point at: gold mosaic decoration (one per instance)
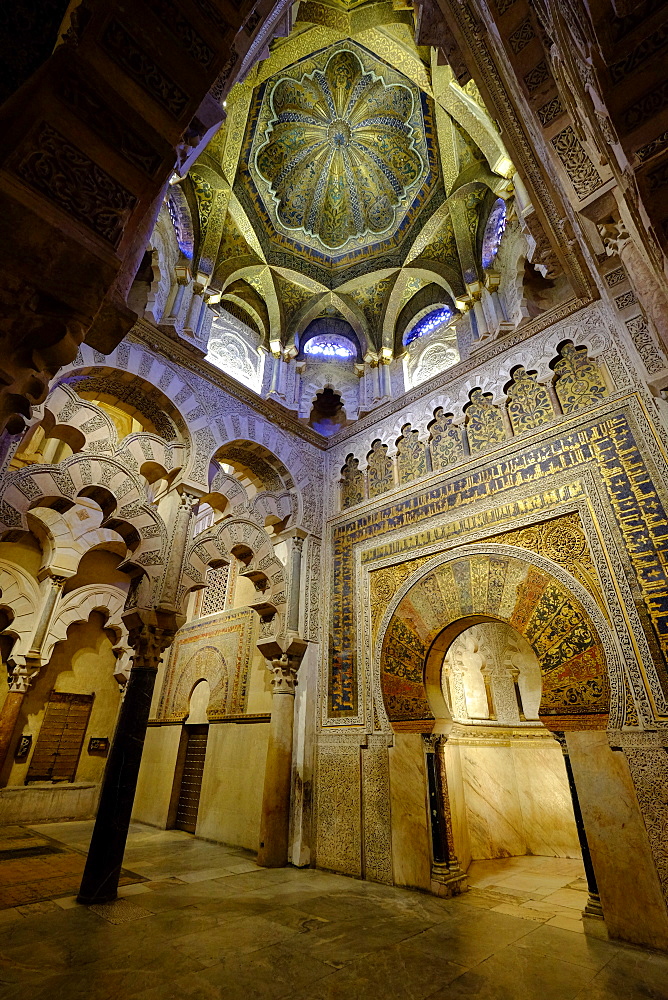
(341, 152)
(529, 403)
(579, 381)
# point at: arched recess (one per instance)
(207, 664)
(218, 544)
(581, 666)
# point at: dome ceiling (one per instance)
(343, 152)
(339, 161)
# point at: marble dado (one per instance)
(517, 801)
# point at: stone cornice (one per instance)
(164, 345)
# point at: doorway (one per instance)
(195, 739)
(191, 758)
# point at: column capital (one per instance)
(284, 671)
(148, 643)
(21, 677)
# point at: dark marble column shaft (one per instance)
(105, 854)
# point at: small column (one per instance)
(105, 854)
(194, 309)
(593, 909)
(19, 682)
(296, 538)
(384, 378)
(275, 820)
(377, 391)
(448, 878)
(480, 319)
(273, 388)
(554, 399)
(182, 279)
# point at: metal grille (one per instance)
(61, 737)
(213, 598)
(191, 780)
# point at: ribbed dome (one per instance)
(341, 155)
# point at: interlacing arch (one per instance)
(219, 544)
(203, 423)
(106, 481)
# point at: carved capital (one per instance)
(148, 643)
(284, 671)
(20, 678)
(615, 237)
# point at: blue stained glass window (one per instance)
(331, 345)
(439, 317)
(496, 224)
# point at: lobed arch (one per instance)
(218, 544)
(65, 538)
(78, 606)
(96, 426)
(20, 596)
(258, 466)
(581, 664)
(119, 494)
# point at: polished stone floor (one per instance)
(208, 924)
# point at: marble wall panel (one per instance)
(231, 800)
(545, 800)
(633, 904)
(411, 848)
(156, 775)
(514, 800)
(494, 815)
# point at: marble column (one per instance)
(384, 378)
(593, 907)
(480, 319)
(448, 879)
(297, 536)
(19, 682)
(21, 676)
(105, 854)
(275, 820)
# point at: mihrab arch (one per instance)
(559, 619)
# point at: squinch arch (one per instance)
(496, 583)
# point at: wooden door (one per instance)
(58, 748)
(191, 780)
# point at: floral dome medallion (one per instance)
(342, 152)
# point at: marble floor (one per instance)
(208, 924)
(547, 890)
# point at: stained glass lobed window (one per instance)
(432, 321)
(494, 230)
(330, 345)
